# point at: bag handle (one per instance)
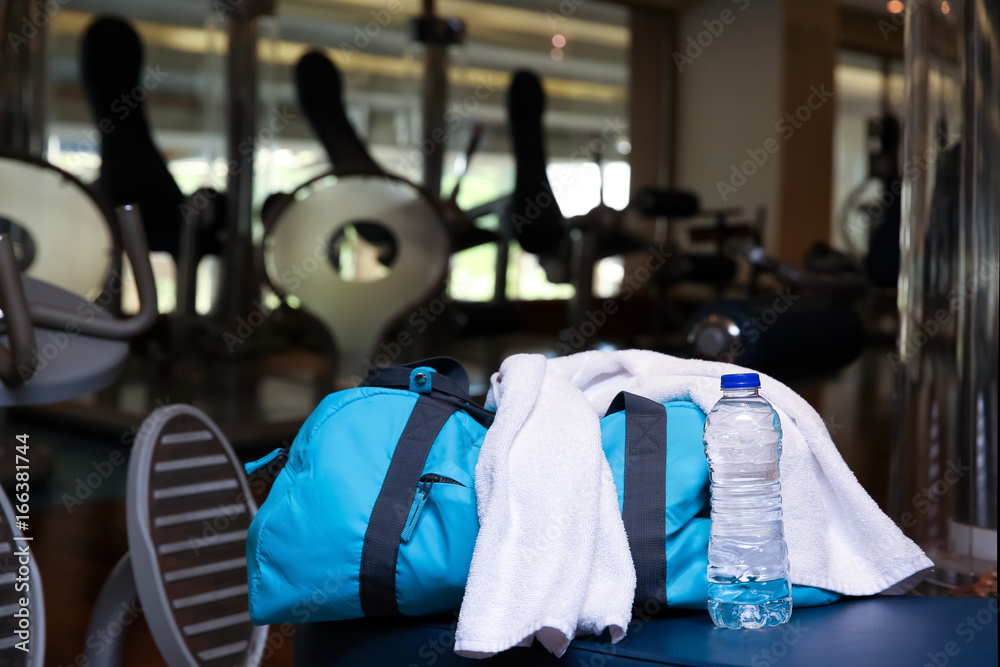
(442, 386)
(388, 519)
(446, 380)
(645, 495)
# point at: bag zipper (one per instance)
(424, 485)
(254, 466)
(434, 478)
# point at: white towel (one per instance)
(552, 559)
(538, 465)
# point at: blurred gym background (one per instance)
(800, 187)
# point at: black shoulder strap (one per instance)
(381, 546)
(645, 494)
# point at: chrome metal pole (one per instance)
(943, 483)
(239, 282)
(435, 96)
(973, 529)
(436, 34)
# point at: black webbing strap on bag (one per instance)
(381, 546)
(450, 382)
(645, 494)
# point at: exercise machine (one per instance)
(188, 507)
(568, 249)
(54, 345)
(52, 219)
(357, 246)
(187, 356)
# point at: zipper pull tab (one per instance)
(254, 466)
(419, 500)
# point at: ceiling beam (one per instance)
(870, 32)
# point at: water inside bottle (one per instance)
(750, 604)
(748, 558)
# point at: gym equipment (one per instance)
(870, 217)
(240, 284)
(258, 371)
(22, 77)
(52, 219)
(813, 329)
(74, 349)
(568, 249)
(543, 232)
(20, 336)
(867, 631)
(188, 506)
(716, 269)
(405, 232)
(76, 344)
(436, 34)
(132, 169)
(14, 309)
(784, 332)
(83, 362)
(872, 211)
(53, 346)
(830, 273)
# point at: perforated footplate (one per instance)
(189, 510)
(17, 584)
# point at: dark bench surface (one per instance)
(882, 632)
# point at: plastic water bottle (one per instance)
(748, 583)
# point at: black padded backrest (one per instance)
(538, 223)
(321, 99)
(132, 168)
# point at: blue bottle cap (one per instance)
(740, 381)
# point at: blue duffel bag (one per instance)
(657, 458)
(374, 512)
